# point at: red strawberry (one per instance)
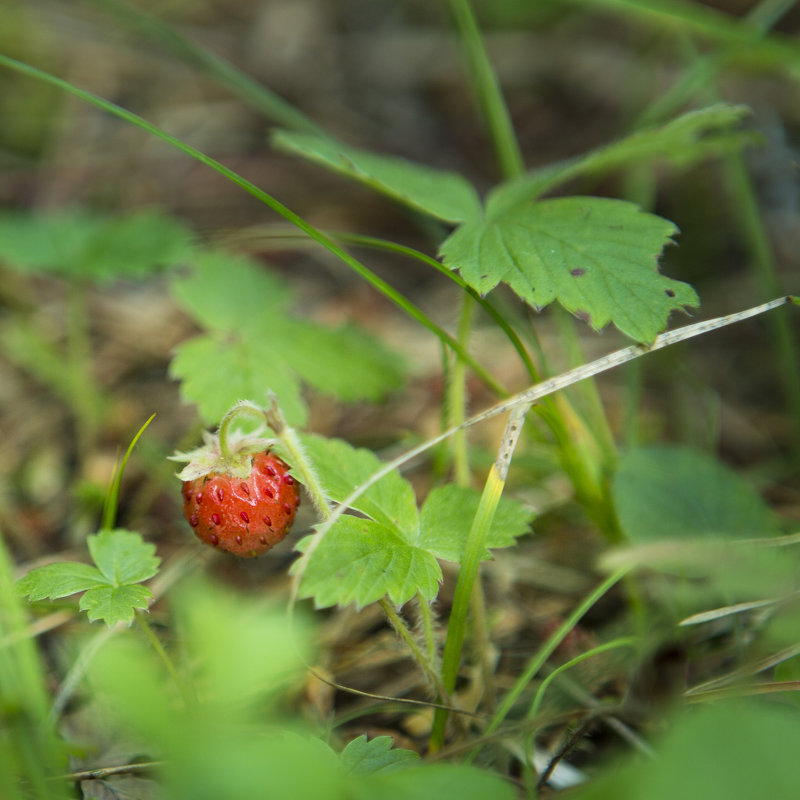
(244, 504)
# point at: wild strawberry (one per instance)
(243, 503)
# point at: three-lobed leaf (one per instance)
(597, 257)
(252, 345)
(111, 588)
(393, 552)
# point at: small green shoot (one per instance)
(111, 589)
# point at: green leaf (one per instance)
(682, 141)
(679, 493)
(341, 468)
(360, 561)
(598, 257)
(81, 245)
(733, 749)
(123, 557)
(114, 604)
(341, 361)
(227, 292)
(111, 590)
(445, 195)
(442, 781)
(363, 757)
(218, 370)
(446, 518)
(59, 580)
(253, 346)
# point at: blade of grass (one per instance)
(546, 650)
(112, 495)
(490, 98)
(470, 564)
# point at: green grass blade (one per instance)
(546, 650)
(112, 495)
(470, 563)
(488, 90)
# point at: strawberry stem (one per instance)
(242, 408)
(297, 457)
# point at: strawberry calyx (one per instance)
(234, 459)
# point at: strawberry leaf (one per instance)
(394, 553)
(445, 195)
(446, 518)
(122, 557)
(59, 580)
(219, 369)
(111, 588)
(82, 245)
(598, 257)
(253, 346)
(341, 468)
(114, 604)
(360, 561)
(363, 757)
(669, 492)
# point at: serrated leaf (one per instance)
(218, 370)
(123, 557)
(445, 195)
(254, 346)
(59, 580)
(680, 493)
(446, 518)
(681, 142)
(362, 756)
(77, 244)
(598, 257)
(341, 468)
(114, 604)
(360, 561)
